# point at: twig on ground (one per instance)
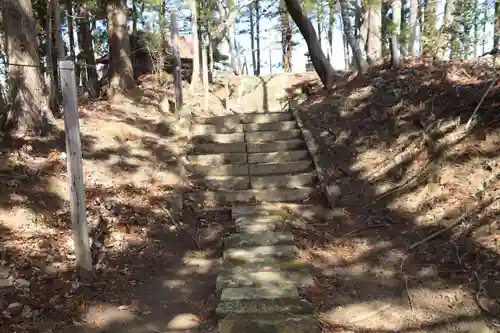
(408, 292)
(438, 233)
(480, 289)
(469, 122)
(378, 225)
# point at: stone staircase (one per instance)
(243, 161)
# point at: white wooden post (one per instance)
(75, 170)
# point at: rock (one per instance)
(14, 308)
(333, 193)
(22, 283)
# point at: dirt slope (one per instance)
(395, 143)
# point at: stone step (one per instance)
(255, 300)
(221, 121)
(299, 180)
(260, 210)
(198, 129)
(260, 254)
(275, 323)
(222, 183)
(265, 169)
(252, 195)
(218, 159)
(256, 224)
(269, 117)
(266, 238)
(268, 147)
(218, 148)
(246, 118)
(278, 126)
(272, 135)
(278, 156)
(239, 169)
(219, 138)
(242, 276)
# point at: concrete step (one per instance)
(239, 169)
(275, 323)
(246, 118)
(219, 138)
(272, 135)
(216, 183)
(257, 224)
(279, 126)
(221, 121)
(218, 159)
(265, 169)
(254, 300)
(260, 254)
(252, 195)
(260, 210)
(218, 148)
(267, 147)
(290, 181)
(266, 238)
(269, 117)
(242, 276)
(199, 129)
(279, 156)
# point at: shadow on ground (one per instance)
(393, 141)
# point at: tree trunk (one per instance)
(396, 20)
(429, 27)
(331, 23)
(51, 72)
(319, 18)
(257, 35)
(345, 44)
(373, 22)
(348, 9)
(61, 52)
(210, 58)
(286, 38)
(444, 34)
(86, 44)
(28, 113)
(318, 58)
(412, 41)
(121, 78)
(252, 38)
(71, 29)
(496, 35)
(163, 42)
(195, 77)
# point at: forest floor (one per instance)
(393, 141)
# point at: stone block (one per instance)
(266, 147)
(274, 323)
(272, 135)
(260, 254)
(266, 238)
(277, 157)
(243, 276)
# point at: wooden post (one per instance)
(204, 62)
(75, 170)
(176, 61)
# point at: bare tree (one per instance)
(347, 10)
(319, 60)
(121, 78)
(29, 113)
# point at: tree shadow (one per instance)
(369, 279)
